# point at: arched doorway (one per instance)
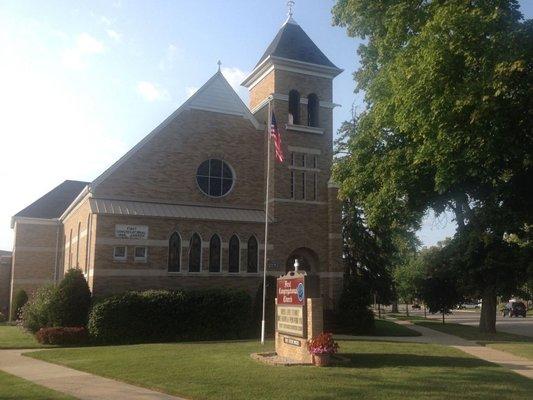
(307, 259)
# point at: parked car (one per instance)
(514, 309)
(472, 305)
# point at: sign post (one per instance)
(298, 317)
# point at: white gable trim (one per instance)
(185, 106)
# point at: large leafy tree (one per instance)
(447, 126)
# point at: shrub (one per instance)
(62, 335)
(353, 314)
(159, 315)
(74, 299)
(41, 310)
(322, 344)
(64, 305)
(19, 300)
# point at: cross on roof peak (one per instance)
(290, 6)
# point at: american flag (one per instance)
(276, 136)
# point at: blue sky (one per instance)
(83, 81)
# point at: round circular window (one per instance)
(214, 177)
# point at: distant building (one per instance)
(185, 207)
(5, 281)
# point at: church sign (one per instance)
(131, 231)
(290, 310)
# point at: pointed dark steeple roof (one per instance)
(293, 43)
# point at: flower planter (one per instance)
(321, 360)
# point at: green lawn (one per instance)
(389, 328)
(14, 337)
(14, 388)
(224, 370)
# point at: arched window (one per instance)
(78, 240)
(70, 250)
(174, 253)
(294, 107)
(195, 253)
(234, 254)
(313, 108)
(87, 236)
(214, 253)
(253, 254)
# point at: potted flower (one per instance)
(322, 347)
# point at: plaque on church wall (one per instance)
(131, 231)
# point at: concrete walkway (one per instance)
(75, 383)
(520, 365)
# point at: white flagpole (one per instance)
(269, 128)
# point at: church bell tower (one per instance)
(294, 79)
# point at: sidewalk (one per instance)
(520, 365)
(78, 384)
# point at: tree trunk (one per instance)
(443, 317)
(487, 320)
(406, 308)
(395, 307)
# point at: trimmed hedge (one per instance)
(160, 315)
(62, 335)
(19, 300)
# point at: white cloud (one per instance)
(191, 90)
(116, 36)
(104, 20)
(167, 62)
(151, 92)
(76, 57)
(234, 76)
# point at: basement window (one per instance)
(120, 253)
(140, 254)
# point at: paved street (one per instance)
(519, 326)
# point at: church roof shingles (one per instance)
(54, 203)
(293, 43)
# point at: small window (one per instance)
(120, 253)
(195, 253)
(294, 107)
(292, 184)
(292, 159)
(253, 254)
(140, 254)
(304, 160)
(234, 254)
(315, 186)
(303, 186)
(214, 254)
(174, 253)
(313, 108)
(315, 162)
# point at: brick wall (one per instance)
(5, 283)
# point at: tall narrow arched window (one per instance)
(78, 240)
(195, 253)
(70, 250)
(313, 108)
(234, 254)
(253, 254)
(214, 253)
(87, 236)
(294, 107)
(174, 253)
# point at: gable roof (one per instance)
(216, 95)
(55, 202)
(293, 43)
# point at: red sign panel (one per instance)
(291, 291)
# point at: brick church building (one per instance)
(185, 207)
